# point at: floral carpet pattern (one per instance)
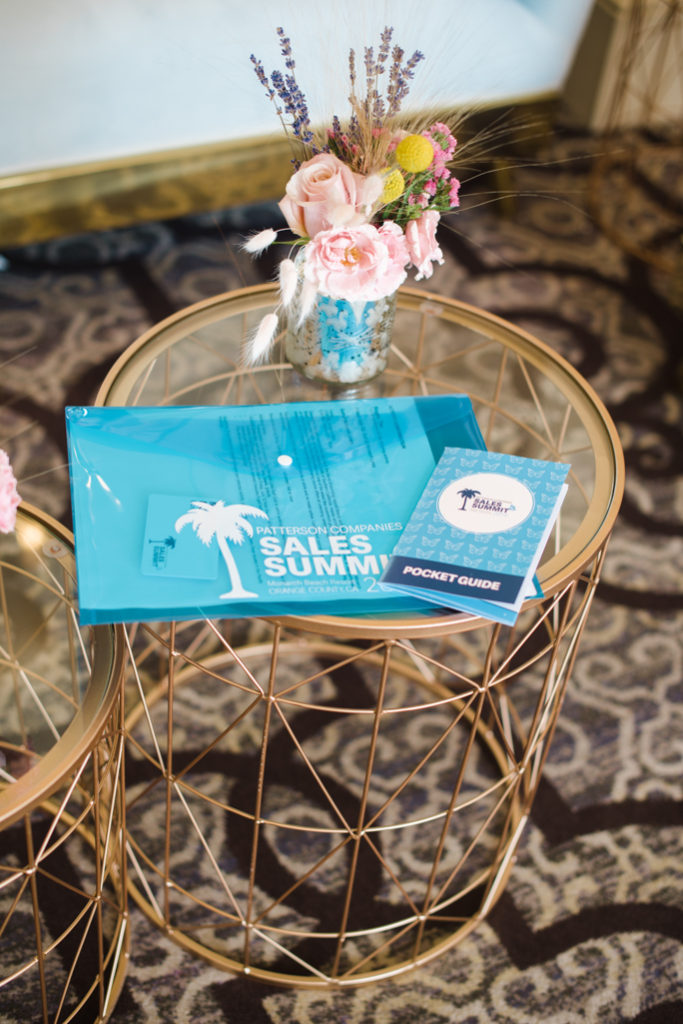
(590, 927)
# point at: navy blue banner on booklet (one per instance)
(237, 511)
(450, 578)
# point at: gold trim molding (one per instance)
(39, 205)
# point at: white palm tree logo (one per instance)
(225, 523)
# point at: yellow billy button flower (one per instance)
(414, 153)
(393, 186)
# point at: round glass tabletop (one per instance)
(527, 400)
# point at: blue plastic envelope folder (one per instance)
(237, 511)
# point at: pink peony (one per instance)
(395, 241)
(9, 499)
(358, 264)
(422, 244)
(325, 193)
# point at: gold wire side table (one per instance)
(328, 801)
(63, 892)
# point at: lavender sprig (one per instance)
(379, 112)
(262, 77)
(352, 69)
(373, 104)
(394, 72)
(369, 72)
(363, 143)
(285, 88)
(399, 78)
(385, 45)
(286, 49)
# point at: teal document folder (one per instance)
(237, 511)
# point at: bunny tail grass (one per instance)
(258, 243)
(288, 281)
(259, 345)
(308, 294)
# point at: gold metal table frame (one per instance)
(64, 934)
(326, 801)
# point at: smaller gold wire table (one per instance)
(329, 801)
(63, 894)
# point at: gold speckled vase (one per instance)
(339, 342)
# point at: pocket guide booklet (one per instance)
(478, 531)
(237, 511)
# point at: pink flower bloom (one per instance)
(9, 499)
(422, 244)
(325, 191)
(454, 193)
(440, 135)
(395, 241)
(397, 137)
(358, 264)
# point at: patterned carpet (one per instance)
(590, 927)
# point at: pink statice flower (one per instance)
(441, 137)
(444, 143)
(359, 264)
(9, 499)
(454, 193)
(422, 244)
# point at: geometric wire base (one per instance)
(323, 814)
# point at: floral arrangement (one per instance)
(9, 499)
(366, 203)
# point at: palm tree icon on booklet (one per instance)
(227, 523)
(467, 493)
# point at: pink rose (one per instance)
(9, 499)
(358, 264)
(422, 244)
(325, 193)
